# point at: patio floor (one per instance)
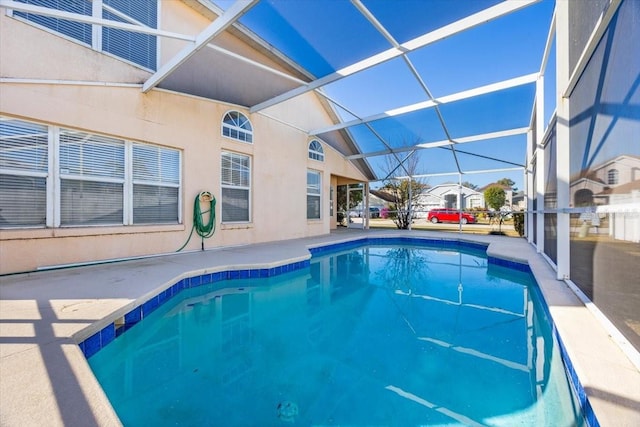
(45, 379)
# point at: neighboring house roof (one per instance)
(621, 189)
(585, 180)
(593, 170)
(375, 200)
(383, 195)
(438, 189)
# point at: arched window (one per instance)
(315, 151)
(237, 126)
(612, 177)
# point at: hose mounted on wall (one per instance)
(204, 230)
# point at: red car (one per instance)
(449, 215)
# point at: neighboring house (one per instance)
(376, 202)
(381, 196)
(108, 136)
(448, 196)
(613, 185)
(590, 188)
(427, 201)
(519, 201)
(625, 199)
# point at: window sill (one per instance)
(46, 233)
(237, 226)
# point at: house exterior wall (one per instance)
(436, 197)
(279, 153)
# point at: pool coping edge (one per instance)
(94, 337)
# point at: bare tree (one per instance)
(403, 188)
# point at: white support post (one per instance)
(459, 203)
(410, 201)
(563, 141)
(531, 192)
(367, 211)
(540, 159)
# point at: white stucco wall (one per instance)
(279, 154)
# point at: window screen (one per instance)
(23, 201)
(313, 195)
(236, 178)
(156, 180)
(24, 166)
(153, 204)
(90, 203)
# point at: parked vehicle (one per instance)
(450, 215)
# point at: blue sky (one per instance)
(325, 36)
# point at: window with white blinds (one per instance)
(156, 184)
(96, 180)
(236, 187)
(313, 194)
(135, 47)
(91, 179)
(237, 126)
(24, 166)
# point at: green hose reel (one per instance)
(202, 228)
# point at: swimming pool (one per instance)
(382, 334)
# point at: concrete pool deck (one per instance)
(45, 379)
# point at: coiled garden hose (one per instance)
(204, 230)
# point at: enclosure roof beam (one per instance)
(368, 125)
(239, 8)
(466, 94)
(427, 175)
(382, 30)
(435, 144)
(466, 23)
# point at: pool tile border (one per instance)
(106, 335)
(431, 242)
(103, 337)
(580, 393)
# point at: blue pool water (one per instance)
(376, 335)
